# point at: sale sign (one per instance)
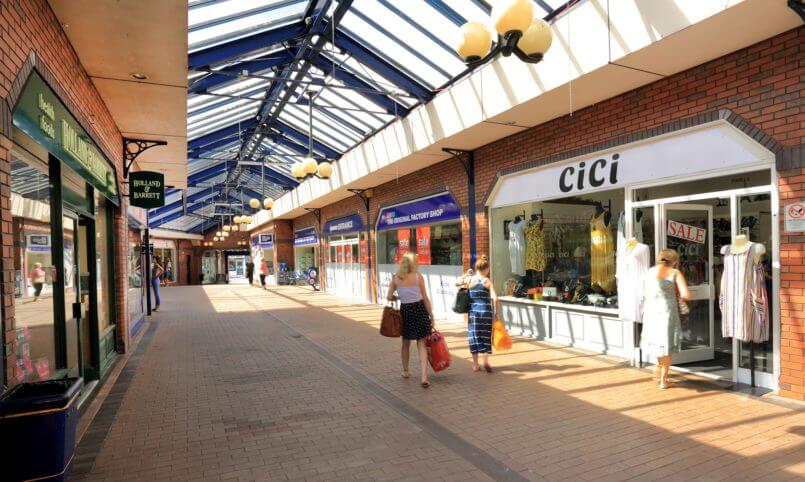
(339, 254)
(423, 244)
(687, 232)
(403, 243)
(364, 251)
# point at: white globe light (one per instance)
(325, 170)
(235, 227)
(226, 228)
(536, 40)
(310, 165)
(475, 41)
(298, 170)
(236, 220)
(268, 203)
(215, 239)
(254, 203)
(510, 15)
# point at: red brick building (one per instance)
(753, 95)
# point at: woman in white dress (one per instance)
(662, 330)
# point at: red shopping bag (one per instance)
(438, 355)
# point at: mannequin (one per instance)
(632, 269)
(517, 246)
(535, 257)
(744, 300)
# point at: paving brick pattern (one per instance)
(238, 383)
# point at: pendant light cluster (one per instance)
(519, 33)
(309, 167)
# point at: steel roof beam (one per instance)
(242, 14)
(168, 208)
(300, 137)
(242, 46)
(329, 67)
(221, 133)
(366, 56)
(272, 175)
(306, 51)
(230, 74)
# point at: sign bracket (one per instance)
(316, 212)
(132, 148)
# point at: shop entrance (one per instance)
(699, 226)
(236, 267)
(688, 230)
(77, 300)
(345, 276)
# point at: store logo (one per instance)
(598, 174)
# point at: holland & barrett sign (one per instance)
(147, 189)
(42, 116)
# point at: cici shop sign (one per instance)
(147, 189)
(41, 115)
(687, 232)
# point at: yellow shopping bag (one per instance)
(501, 340)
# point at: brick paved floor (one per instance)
(237, 383)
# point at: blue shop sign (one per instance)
(305, 237)
(345, 225)
(432, 210)
(266, 241)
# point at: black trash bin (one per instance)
(38, 422)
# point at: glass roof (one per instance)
(255, 66)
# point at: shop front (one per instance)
(305, 249)
(136, 260)
(431, 228)
(347, 257)
(262, 245)
(571, 244)
(64, 196)
(165, 251)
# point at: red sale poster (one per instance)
(364, 252)
(423, 244)
(403, 243)
(340, 254)
(348, 254)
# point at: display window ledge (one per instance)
(565, 306)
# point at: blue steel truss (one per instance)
(251, 61)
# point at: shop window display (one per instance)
(561, 250)
(435, 245)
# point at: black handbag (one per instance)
(462, 302)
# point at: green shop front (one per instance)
(64, 195)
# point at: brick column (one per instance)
(7, 262)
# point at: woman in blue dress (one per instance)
(483, 306)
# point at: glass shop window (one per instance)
(561, 250)
(33, 268)
(434, 245)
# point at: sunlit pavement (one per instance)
(237, 383)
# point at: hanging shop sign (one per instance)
(795, 217)
(345, 225)
(40, 114)
(709, 148)
(147, 189)
(431, 210)
(423, 244)
(686, 232)
(305, 237)
(265, 241)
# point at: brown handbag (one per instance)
(391, 322)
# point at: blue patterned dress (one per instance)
(479, 331)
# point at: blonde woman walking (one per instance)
(662, 329)
(415, 311)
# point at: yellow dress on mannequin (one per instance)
(535, 247)
(602, 254)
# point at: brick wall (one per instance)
(32, 37)
(761, 85)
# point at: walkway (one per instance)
(234, 383)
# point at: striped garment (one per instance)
(743, 300)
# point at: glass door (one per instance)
(72, 305)
(688, 229)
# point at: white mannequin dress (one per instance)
(517, 247)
